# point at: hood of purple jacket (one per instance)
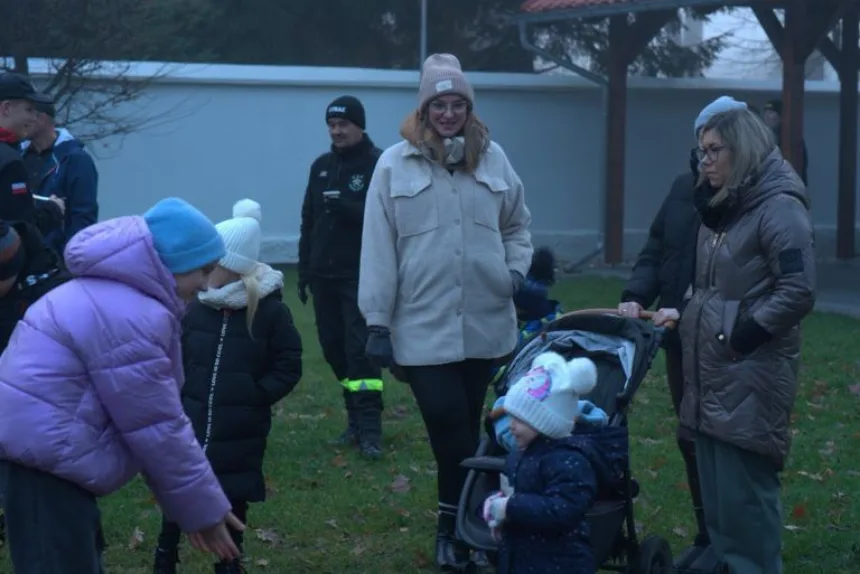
(93, 373)
(122, 250)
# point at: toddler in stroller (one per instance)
(553, 473)
(621, 350)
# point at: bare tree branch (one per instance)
(83, 48)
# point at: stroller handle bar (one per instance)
(646, 315)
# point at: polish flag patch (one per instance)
(19, 188)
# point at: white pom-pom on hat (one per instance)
(583, 375)
(248, 208)
(242, 237)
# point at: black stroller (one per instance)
(623, 349)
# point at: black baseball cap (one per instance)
(17, 87)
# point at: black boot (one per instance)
(231, 567)
(165, 561)
(451, 554)
(349, 437)
(369, 410)
(688, 452)
(702, 539)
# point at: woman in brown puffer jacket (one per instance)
(754, 283)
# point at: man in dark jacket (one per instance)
(329, 254)
(772, 116)
(17, 118)
(664, 270)
(58, 166)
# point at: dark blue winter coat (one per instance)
(555, 483)
(67, 171)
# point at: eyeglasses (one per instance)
(710, 154)
(457, 107)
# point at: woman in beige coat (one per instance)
(445, 247)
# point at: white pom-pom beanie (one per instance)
(242, 237)
(548, 401)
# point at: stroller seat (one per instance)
(623, 350)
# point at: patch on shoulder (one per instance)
(790, 261)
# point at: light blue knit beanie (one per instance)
(184, 238)
(718, 106)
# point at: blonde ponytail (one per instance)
(252, 288)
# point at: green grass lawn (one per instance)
(329, 511)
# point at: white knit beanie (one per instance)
(547, 397)
(441, 75)
(242, 237)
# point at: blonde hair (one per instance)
(748, 139)
(252, 289)
(416, 129)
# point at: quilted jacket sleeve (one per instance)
(570, 489)
(787, 237)
(136, 383)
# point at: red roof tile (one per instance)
(547, 5)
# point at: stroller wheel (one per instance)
(655, 557)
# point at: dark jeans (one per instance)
(451, 400)
(341, 329)
(171, 535)
(52, 525)
(686, 437)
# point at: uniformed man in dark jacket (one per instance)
(18, 99)
(329, 254)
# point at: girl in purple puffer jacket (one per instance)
(89, 393)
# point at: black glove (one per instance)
(748, 336)
(303, 292)
(517, 280)
(379, 351)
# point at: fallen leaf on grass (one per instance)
(262, 562)
(680, 531)
(650, 441)
(399, 412)
(813, 476)
(401, 484)
(339, 461)
(792, 528)
(268, 535)
(421, 559)
(358, 550)
(798, 512)
(136, 539)
(854, 389)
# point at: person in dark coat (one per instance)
(329, 254)
(59, 166)
(242, 354)
(18, 100)
(772, 116)
(664, 272)
(555, 475)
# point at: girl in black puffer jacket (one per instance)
(242, 354)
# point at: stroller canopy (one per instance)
(621, 347)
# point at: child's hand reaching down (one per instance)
(217, 540)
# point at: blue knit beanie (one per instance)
(184, 238)
(718, 106)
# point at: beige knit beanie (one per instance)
(442, 75)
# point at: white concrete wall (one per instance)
(228, 132)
